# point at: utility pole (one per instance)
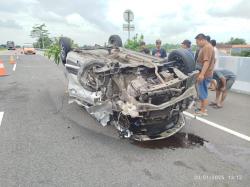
(41, 36)
(129, 27)
(128, 16)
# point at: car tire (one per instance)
(65, 45)
(84, 74)
(115, 40)
(183, 60)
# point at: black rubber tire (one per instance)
(115, 40)
(184, 60)
(65, 44)
(84, 69)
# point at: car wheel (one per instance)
(88, 79)
(115, 40)
(65, 44)
(183, 60)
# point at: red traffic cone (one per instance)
(2, 69)
(12, 61)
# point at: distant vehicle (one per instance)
(28, 49)
(10, 45)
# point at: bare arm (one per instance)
(206, 59)
(223, 84)
(204, 68)
(203, 71)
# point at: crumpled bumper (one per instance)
(180, 124)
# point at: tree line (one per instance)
(44, 41)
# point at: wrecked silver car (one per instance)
(141, 95)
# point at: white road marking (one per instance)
(14, 67)
(242, 136)
(1, 117)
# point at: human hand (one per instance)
(200, 77)
(223, 89)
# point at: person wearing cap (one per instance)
(222, 81)
(158, 51)
(143, 48)
(186, 44)
(206, 60)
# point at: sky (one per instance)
(92, 22)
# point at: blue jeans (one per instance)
(203, 88)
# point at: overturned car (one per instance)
(141, 95)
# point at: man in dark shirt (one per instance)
(186, 44)
(158, 51)
(222, 81)
(143, 48)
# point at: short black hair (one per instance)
(208, 38)
(187, 43)
(142, 43)
(201, 36)
(213, 42)
(158, 41)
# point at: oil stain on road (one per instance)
(179, 140)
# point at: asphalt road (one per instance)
(44, 141)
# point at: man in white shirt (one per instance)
(216, 53)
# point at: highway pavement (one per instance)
(44, 141)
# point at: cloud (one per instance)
(239, 10)
(171, 21)
(76, 19)
(94, 12)
(11, 24)
(15, 6)
(89, 22)
(47, 16)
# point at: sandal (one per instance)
(212, 103)
(217, 107)
(199, 109)
(199, 113)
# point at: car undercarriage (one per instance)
(141, 95)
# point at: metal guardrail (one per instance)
(240, 66)
(38, 49)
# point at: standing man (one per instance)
(206, 61)
(198, 49)
(143, 48)
(186, 44)
(158, 51)
(213, 42)
(222, 81)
